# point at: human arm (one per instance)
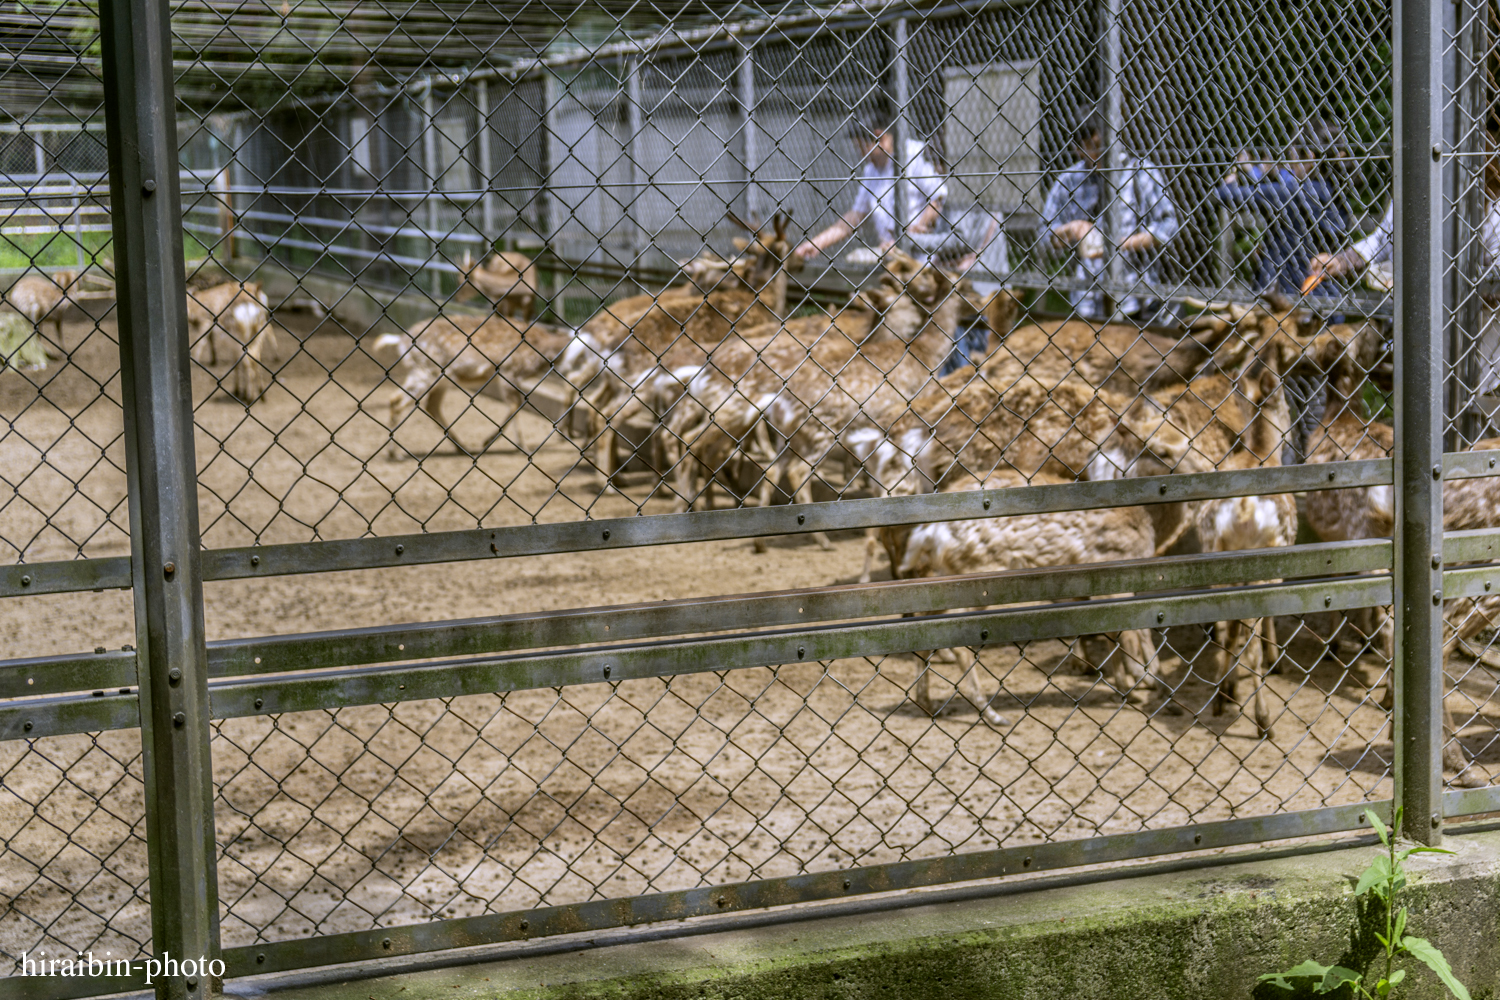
(1060, 217)
(836, 233)
(1156, 215)
(1373, 249)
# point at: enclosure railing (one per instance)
(696, 736)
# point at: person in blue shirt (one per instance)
(1074, 216)
(1301, 213)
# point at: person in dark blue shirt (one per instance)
(1301, 212)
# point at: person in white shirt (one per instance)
(1379, 248)
(922, 186)
(1373, 249)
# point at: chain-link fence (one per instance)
(876, 445)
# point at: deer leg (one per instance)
(414, 390)
(968, 661)
(921, 690)
(1136, 650)
(1223, 664)
(872, 545)
(250, 379)
(804, 494)
(1271, 648)
(1255, 648)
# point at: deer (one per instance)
(503, 356)
(1234, 524)
(1369, 511)
(813, 396)
(43, 299)
(507, 279)
(965, 424)
(240, 312)
(621, 347)
(1022, 541)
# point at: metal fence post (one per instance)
(900, 167)
(1114, 152)
(156, 387)
(1419, 418)
(747, 110)
(486, 167)
(429, 166)
(634, 125)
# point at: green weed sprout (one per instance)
(1385, 877)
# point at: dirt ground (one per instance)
(352, 818)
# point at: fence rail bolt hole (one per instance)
(848, 884)
(801, 518)
(1161, 616)
(148, 187)
(25, 581)
(179, 720)
(1162, 488)
(26, 725)
(525, 925)
(1437, 561)
(385, 943)
(1437, 598)
(984, 633)
(1437, 472)
(400, 549)
(174, 675)
(801, 652)
(99, 650)
(259, 702)
(260, 958)
(1327, 600)
(606, 670)
(1197, 838)
(169, 568)
(606, 534)
(255, 560)
(986, 505)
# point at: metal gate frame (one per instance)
(182, 681)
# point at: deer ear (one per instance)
(740, 243)
(468, 261)
(778, 223)
(739, 222)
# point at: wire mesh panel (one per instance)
(491, 293)
(952, 431)
(357, 818)
(74, 855)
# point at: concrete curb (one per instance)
(1199, 933)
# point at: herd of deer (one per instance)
(711, 377)
(229, 313)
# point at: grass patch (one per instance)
(59, 251)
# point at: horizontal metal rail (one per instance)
(317, 690)
(1471, 801)
(581, 626)
(751, 522)
(67, 576)
(1471, 464)
(598, 915)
